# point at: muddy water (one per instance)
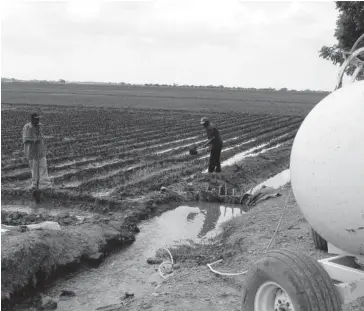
(276, 181)
(128, 270)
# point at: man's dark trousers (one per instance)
(214, 164)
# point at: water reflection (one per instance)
(127, 270)
(215, 215)
(276, 181)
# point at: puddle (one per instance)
(69, 138)
(264, 150)
(187, 222)
(100, 164)
(200, 141)
(101, 194)
(276, 181)
(128, 270)
(66, 163)
(74, 184)
(78, 162)
(239, 145)
(234, 138)
(180, 147)
(240, 156)
(61, 173)
(236, 146)
(177, 141)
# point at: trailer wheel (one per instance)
(320, 243)
(286, 280)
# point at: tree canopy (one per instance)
(349, 27)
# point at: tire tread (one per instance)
(313, 278)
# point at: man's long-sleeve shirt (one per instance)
(211, 132)
(32, 149)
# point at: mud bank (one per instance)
(31, 259)
(18, 218)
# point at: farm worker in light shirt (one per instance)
(215, 141)
(34, 149)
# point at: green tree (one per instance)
(349, 27)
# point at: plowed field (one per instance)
(108, 152)
(110, 149)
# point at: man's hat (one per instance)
(35, 115)
(204, 120)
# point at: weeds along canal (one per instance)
(128, 270)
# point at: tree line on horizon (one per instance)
(174, 85)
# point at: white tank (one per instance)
(327, 168)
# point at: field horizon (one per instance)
(152, 97)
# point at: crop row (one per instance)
(69, 151)
(129, 157)
(120, 177)
(76, 122)
(10, 144)
(167, 176)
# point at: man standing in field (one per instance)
(34, 149)
(215, 141)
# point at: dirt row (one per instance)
(143, 180)
(86, 171)
(57, 116)
(116, 123)
(131, 167)
(70, 149)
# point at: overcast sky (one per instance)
(234, 43)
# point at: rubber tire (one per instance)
(306, 282)
(320, 243)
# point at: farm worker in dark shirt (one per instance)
(215, 141)
(34, 149)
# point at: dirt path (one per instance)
(194, 287)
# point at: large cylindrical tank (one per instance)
(327, 168)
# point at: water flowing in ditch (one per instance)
(128, 271)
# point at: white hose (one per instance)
(266, 249)
(218, 261)
(165, 263)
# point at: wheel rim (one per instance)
(272, 297)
